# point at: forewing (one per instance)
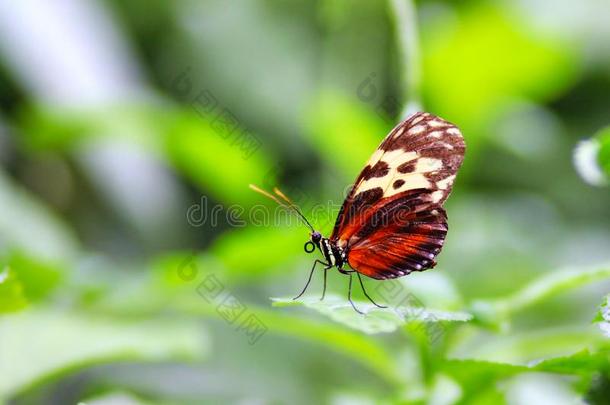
(423, 152)
(395, 203)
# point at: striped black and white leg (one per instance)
(310, 274)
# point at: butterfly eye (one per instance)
(309, 247)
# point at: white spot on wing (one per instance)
(418, 129)
(436, 196)
(446, 182)
(425, 165)
(435, 123)
(418, 119)
(412, 180)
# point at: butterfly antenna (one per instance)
(282, 195)
(265, 193)
(290, 205)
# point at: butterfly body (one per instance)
(334, 255)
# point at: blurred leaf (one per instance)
(61, 128)
(599, 390)
(354, 345)
(42, 344)
(116, 398)
(498, 311)
(602, 317)
(219, 160)
(251, 252)
(475, 65)
(51, 128)
(220, 156)
(434, 289)
(336, 123)
(31, 227)
(173, 269)
(37, 277)
(12, 297)
(583, 362)
(475, 374)
(374, 320)
(592, 158)
(146, 302)
(520, 347)
(603, 156)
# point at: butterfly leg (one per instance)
(309, 279)
(324, 288)
(349, 295)
(365, 293)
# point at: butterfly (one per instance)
(392, 221)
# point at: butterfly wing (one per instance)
(392, 221)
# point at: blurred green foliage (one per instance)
(603, 156)
(495, 57)
(12, 297)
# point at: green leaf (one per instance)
(585, 362)
(598, 391)
(12, 297)
(592, 158)
(116, 397)
(63, 128)
(354, 345)
(38, 277)
(42, 344)
(241, 255)
(498, 311)
(31, 227)
(495, 57)
(522, 347)
(375, 320)
(473, 375)
(47, 127)
(222, 160)
(332, 120)
(147, 302)
(219, 162)
(245, 253)
(602, 317)
(603, 156)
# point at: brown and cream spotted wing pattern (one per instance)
(392, 222)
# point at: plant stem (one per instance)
(405, 21)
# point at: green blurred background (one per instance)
(129, 131)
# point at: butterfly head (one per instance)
(314, 240)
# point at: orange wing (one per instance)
(393, 222)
